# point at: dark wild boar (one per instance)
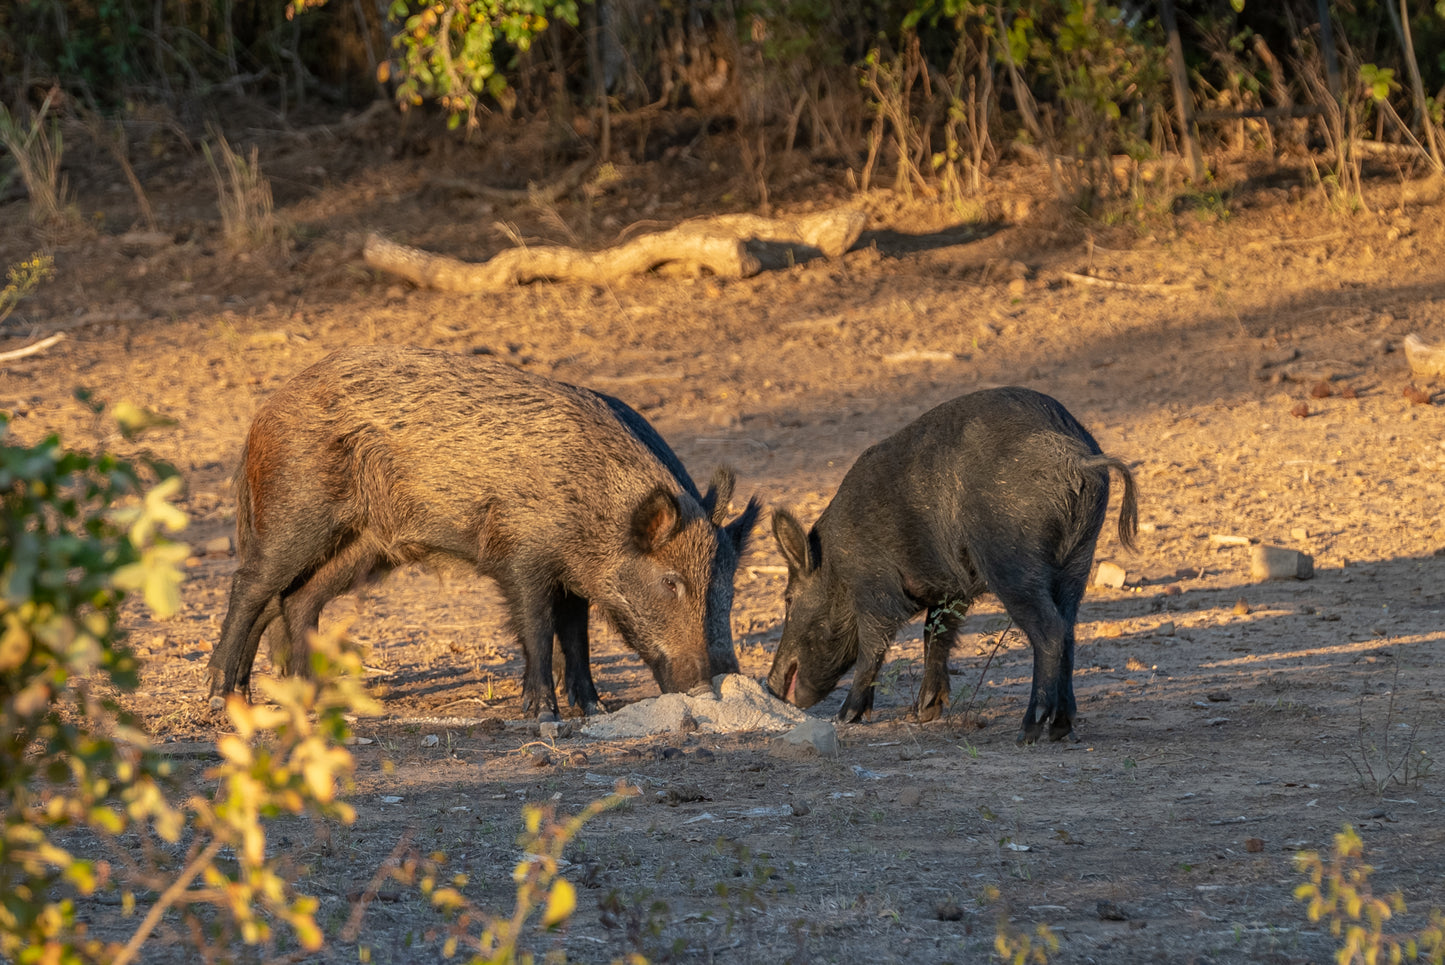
(375, 458)
(1000, 490)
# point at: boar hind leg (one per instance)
(940, 631)
(569, 614)
(302, 606)
(253, 605)
(1051, 700)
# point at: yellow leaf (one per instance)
(560, 903)
(14, 643)
(134, 419)
(234, 749)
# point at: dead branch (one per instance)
(716, 244)
(725, 257)
(1079, 279)
(831, 232)
(31, 349)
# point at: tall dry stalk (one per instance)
(37, 148)
(248, 217)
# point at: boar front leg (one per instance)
(940, 631)
(873, 641)
(530, 607)
(569, 613)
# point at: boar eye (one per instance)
(672, 584)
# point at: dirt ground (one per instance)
(1226, 723)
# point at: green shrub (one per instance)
(78, 533)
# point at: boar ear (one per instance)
(740, 530)
(793, 541)
(655, 520)
(719, 494)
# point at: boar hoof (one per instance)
(855, 708)
(929, 711)
(547, 717)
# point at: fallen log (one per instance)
(718, 245)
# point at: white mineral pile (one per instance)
(737, 704)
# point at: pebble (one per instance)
(1109, 911)
(220, 546)
(554, 729)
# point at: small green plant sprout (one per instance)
(1339, 892)
(539, 885)
(1379, 81)
(22, 279)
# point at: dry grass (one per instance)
(248, 217)
(36, 149)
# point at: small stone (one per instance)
(540, 758)
(1217, 697)
(1017, 288)
(1301, 410)
(801, 809)
(492, 725)
(220, 546)
(703, 754)
(554, 729)
(1241, 607)
(948, 910)
(1280, 563)
(1165, 629)
(1426, 360)
(687, 724)
(1254, 845)
(684, 794)
(910, 797)
(577, 758)
(1416, 395)
(1300, 533)
(1110, 574)
(812, 736)
(1348, 392)
(1321, 389)
(1109, 911)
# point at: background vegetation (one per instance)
(934, 92)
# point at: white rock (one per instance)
(1280, 563)
(1110, 574)
(1425, 359)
